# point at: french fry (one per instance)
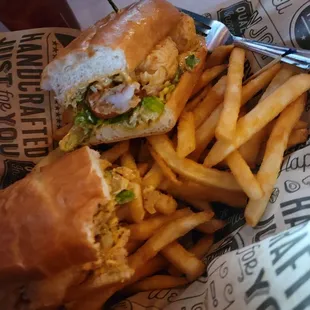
(123, 213)
(281, 77)
(142, 168)
(166, 204)
(219, 55)
(210, 102)
(150, 207)
(244, 175)
(260, 116)
(144, 155)
(202, 247)
(190, 169)
(61, 132)
(115, 152)
(174, 271)
(128, 161)
(276, 145)
(275, 61)
(148, 227)
(257, 84)
(201, 205)
(207, 76)
(159, 202)
(199, 249)
(104, 164)
(136, 206)
(285, 72)
(153, 177)
(166, 170)
(133, 245)
(297, 136)
(183, 260)
(250, 150)
(206, 132)
(157, 282)
(193, 102)
(301, 125)
(154, 265)
(261, 153)
(190, 190)
(96, 299)
(226, 126)
(193, 183)
(166, 235)
(211, 226)
(262, 140)
(186, 134)
(150, 196)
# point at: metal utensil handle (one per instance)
(292, 56)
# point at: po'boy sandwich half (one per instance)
(59, 230)
(129, 75)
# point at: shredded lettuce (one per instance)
(124, 196)
(118, 119)
(85, 117)
(153, 104)
(177, 76)
(191, 61)
(149, 110)
(84, 122)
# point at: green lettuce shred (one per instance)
(124, 196)
(153, 104)
(191, 61)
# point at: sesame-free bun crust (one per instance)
(47, 217)
(118, 42)
(173, 109)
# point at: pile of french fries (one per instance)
(223, 149)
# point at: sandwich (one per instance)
(59, 231)
(127, 76)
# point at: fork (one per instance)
(217, 33)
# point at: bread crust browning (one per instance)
(46, 219)
(135, 30)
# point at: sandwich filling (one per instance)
(133, 99)
(109, 238)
